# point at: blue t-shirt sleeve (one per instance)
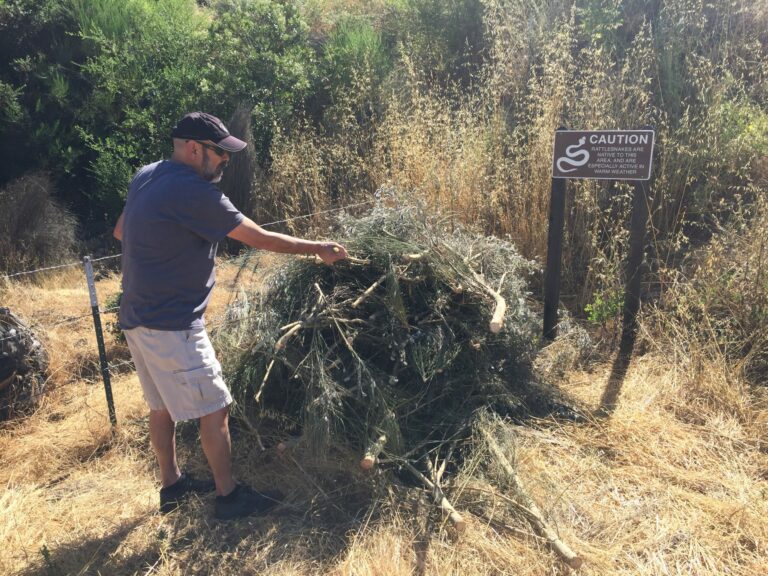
(206, 211)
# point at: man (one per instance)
(173, 219)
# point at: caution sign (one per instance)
(603, 154)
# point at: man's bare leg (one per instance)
(214, 436)
(162, 435)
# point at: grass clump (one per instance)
(35, 230)
(715, 312)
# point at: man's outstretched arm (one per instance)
(250, 233)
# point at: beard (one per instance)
(211, 173)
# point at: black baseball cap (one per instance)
(202, 126)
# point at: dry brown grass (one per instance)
(670, 483)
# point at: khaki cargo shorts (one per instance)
(178, 371)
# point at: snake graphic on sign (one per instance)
(575, 157)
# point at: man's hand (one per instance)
(118, 231)
(330, 252)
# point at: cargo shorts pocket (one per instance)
(200, 387)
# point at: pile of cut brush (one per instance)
(23, 363)
(399, 352)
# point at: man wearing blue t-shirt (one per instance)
(173, 220)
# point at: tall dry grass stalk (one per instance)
(713, 317)
(35, 229)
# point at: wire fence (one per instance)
(112, 256)
(58, 267)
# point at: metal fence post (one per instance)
(100, 339)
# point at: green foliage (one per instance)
(257, 53)
(446, 38)
(38, 72)
(745, 124)
(355, 62)
(145, 81)
(598, 20)
(115, 20)
(98, 85)
(605, 307)
(10, 108)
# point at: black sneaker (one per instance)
(172, 496)
(244, 501)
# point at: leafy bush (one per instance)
(355, 63)
(257, 53)
(144, 80)
(93, 88)
(41, 87)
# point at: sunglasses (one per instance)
(215, 149)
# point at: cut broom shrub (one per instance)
(396, 342)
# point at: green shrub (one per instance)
(41, 87)
(144, 79)
(93, 88)
(10, 109)
(355, 63)
(258, 54)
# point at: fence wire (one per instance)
(267, 225)
(60, 266)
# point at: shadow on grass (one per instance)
(325, 504)
(424, 533)
(86, 556)
(612, 392)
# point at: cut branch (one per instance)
(530, 508)
(287, 336)
(288, 444)
(257, 397)
(253, 430)
(372, 453)
(414, 257)
(351, 259)
(369, 291)
(497, 320)
(458, 521)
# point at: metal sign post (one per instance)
(634, 273)
(100, 339)
(554, 256)
(602, 155)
